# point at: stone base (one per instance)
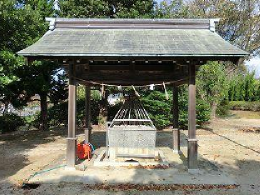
(176, 139)
(193, 171)
(102, 160)
(192, 154)
(71, 152)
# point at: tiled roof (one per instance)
(170, 38)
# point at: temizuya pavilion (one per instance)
(133, 52)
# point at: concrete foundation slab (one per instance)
(176, 173)
(160, 159)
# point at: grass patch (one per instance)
(245, 114)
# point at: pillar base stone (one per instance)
(193, 171)
(176, 140)
(192, 154)
(71, 153)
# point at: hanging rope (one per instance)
(136, 93)
(120, 87)
(166, 93)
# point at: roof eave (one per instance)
(132, 55)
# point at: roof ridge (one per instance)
(124, 23)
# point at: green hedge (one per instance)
(242, 105)
(160, 109)
(10, 122)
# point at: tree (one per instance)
(212, 84)
(15, 34)
(106, 8)
(40, 77)
(170, 9)
(240, 20)
(23, 23)
(43, 7)
(59, 86)
(244, 87)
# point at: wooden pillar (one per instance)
(87, 114)
(175, 120)
(192, 141)
(71, 140)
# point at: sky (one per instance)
(254, 65)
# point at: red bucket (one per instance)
(84, 151)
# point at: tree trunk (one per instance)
(213, 110)
(43, 116)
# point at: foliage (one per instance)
(158, 108)
(242, 105)
(30, 119)
(58, 90)
(22, 23)
(239, 22)
(160, 111)
(15, 34)
(43, 7)
(170, 9)
(10, 122)
(244, 87)
(223, 108)
(58, 113)
(106, 8)
(212, 84)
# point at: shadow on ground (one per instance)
(13, 148)
(231, 140)
(164, 139)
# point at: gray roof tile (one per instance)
(131, 42)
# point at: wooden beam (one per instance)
(177, 59)
(87, 114)
(175, 120)
(127, 83)
(128, 77)
(192, 141)
(71, 140)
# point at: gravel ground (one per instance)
(222, 144)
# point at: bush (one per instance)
(160, 109)
(10, 122)
(242, 105)
(223, 108)
(58, 114)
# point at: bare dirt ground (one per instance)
(223, 143)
